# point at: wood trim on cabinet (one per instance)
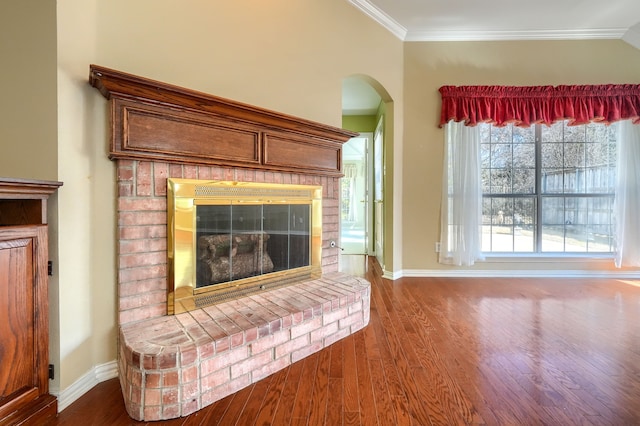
(24, 201)
(151, 120)
(25, 397)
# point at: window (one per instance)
(548, 189)
(569, 209)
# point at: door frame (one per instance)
(367, 208)
(378, 192)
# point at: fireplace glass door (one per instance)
(227, 239)
(237, 241)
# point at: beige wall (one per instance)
(286, 56)
(28, 87)
(428, 66)
(28, 111)
(86, 227)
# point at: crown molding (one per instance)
(490, 35)
(632, 36)
(380, 17)
(404, 34)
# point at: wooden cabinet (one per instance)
(24, 315)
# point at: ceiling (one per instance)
(466, 20)
(457, 20)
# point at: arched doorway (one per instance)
(362, 188)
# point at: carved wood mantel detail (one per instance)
(157, 121)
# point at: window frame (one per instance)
(537, 197)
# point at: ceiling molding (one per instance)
(481, 35)
(380, 17)
(403, 34)
(632, 36)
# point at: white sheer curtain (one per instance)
(627, 204)
(461, 207)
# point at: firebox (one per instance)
(228, 239)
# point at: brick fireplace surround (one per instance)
(172, 365)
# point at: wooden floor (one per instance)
(444, 351)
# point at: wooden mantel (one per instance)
(157, 121)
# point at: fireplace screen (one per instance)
(241, 241)
(227, 239)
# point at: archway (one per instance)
(363, 200)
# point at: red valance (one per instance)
(524, 106)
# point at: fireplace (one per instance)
(227, 239)
(220, 199)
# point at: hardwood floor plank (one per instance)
(386, 356)
(450, 396)
(417, 408)
(352, 418)
(495, 351)
(288, 397)
(350, 381)
(401, 410)
(337, 357)
(370, 340)
(267, 412)
(384, 407)
(255, 401)
(320, 394)
(302, 404)
(335, 403)
(394, 326)
(210, 416)
(236, 406)
(103, 405)
(368, 413)
(424, 385)
(506, 396)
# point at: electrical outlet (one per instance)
(438, 247)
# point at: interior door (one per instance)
(354, 209)
(378, 190)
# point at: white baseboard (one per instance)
(84, 384)
(536, 273)
(391, 275)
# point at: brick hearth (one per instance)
(171, 366)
